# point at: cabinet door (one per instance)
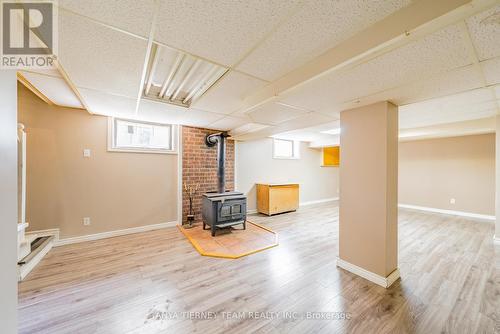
(283, 198)
(331, 156)
(263, 199)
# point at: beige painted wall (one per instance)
(368, 188)
(116, 190)
(433, 171)
(8, 202)
(497, 175)
(255, 164)
(424, 172)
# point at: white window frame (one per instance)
(112, 138)
(295, 149)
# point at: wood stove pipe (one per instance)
(220, 140)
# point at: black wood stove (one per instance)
(222, 209)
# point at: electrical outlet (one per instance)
(452, 201)
(86, 221)
(86, 153)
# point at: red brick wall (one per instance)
(199, 166)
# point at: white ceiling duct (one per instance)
(178, 78)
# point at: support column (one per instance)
(368, 242)
(497, 177)
(8, 201)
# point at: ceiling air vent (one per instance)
(178, 78)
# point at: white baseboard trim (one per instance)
(324, 200)
(448, 212)
(372, 277)
(319, 201)
(45, 233)
(110, 234)
(496, 240)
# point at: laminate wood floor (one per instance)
(156, 282)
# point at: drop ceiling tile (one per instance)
(54, 88)
(306, 135)
(50, 72)
(274, 113)
(324, 93)
(249, 128)
(108, 104)
(307, 120)
(160, 112)
(325, 126)
(199, 118)
(491, 70)
(227, 94)
(471, 127)
(452, 82)
(475, 104)
(229, 123)
(443, 116)
(332, 111)
(262, 132)
(437, 53)
(463, 100)
(100, 58)
(304, 121)
(222, 31)
(485, 32)
(432, 55)
(318, 26)
(129, 15)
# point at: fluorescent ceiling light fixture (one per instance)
(335, 131)
(178, 78)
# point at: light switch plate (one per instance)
(86, 221)
(86, 153)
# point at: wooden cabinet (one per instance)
(331, 156)
(277, 198)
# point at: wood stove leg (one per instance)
(213, 230)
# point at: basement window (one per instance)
(285, 149)
(135, 136)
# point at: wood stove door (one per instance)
(233, 210)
